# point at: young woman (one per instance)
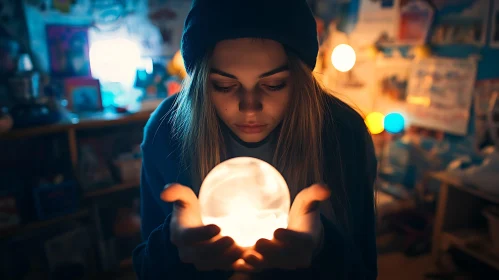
(251, 92)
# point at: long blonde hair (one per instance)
(299, 150)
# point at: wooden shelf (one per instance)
(42, 224)
(93, 121)
(448, 179)
(475, 243)
(113, 189)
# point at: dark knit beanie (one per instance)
(289, 22)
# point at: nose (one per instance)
(250, 101)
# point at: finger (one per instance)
(267, 247)
(308, 199)
(220, 254)
(209, 250)
(191, 236)
(182, 196)
(241, 266)
(229, 259)
(233, 254)
(255, 260)
(274, 255)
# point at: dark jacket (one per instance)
(349, 251)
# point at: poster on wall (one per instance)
(494, 27)
(392, 78)
(415, 18)
(68, 48)
(461, 23)
(377, 21)
(439, 93)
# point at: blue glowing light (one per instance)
(394, 122)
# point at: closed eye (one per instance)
(221, 88)
(276, 87)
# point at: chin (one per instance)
(252, 138)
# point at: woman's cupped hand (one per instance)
(297, 245)
(204, 247)
(198, 244)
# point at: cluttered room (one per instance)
(81, 78)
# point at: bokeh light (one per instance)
(375, 122)
(394, 122)
(343, 57)
(111, 63)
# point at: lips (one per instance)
(251, 128)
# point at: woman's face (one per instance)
(249, 85)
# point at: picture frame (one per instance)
(83, 94)
(415, 19)
(444, 102)
(68, 50)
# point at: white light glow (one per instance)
(146, 64)
(115, 60)
(247, 198)
(343, 57)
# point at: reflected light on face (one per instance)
(249, 85)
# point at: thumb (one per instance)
(182, 196)
(308, 199)
(186, 210)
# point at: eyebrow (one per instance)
(266, 74)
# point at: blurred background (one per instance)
(79, 79)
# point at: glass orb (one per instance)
(247, 198)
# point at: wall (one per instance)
(362, 26)
(155, 25)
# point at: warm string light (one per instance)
(247, 198)
(343, 57)
(374, 122)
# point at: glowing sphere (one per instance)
(374, 122)
(247, 198)
(343, 57)
(394, 122)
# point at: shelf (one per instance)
(42, 224)
(91, 121)
(448, 179)
(113, 189)
(475, 243)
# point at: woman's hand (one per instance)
(294, 247)
(198, 244)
